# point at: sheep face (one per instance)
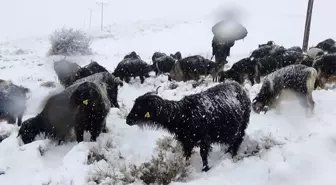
(29, 130)
(258, 106)
(145, 111)
(82, 73)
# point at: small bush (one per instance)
(123, 111)
(166, 166)
(169, 165)
(69, 42)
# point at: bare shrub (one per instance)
(69, 42)
(123, 111)
(166, 165)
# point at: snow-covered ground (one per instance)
(306, 155)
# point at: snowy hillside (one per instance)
(294, 149)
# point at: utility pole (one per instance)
(102, 3)
(90, 18)
(102, 16)
(307, 25)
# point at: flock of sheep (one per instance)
(218, 115)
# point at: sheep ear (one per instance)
(157, 90)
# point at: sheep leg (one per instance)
(187, 151)
(115, 103)
(105, 129)
(257, 74)
(79, 133)
(127, 79)
(94, 135)
(251, 78)
(310, 103)
(204, 150)
(142, 79)
(20, 119)
(60, 142)
(169, 78)
(233, 149)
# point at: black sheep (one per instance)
(326, 69)
(218, 115)
(269, 64)
(91, 106)
(221, 49)
(242, 70)
(12, 102)
(327, 45)
(73, 108)
(299, 79)
(269, 43)
(112, 85)
(192, 67)
(263, 50)
(66, 71)
(162, 63)
(177, 55)
(292, 57)
(132, 67)
(92, 68)
(157, 55)
(132, 55)
(273, 61)
(295, 48)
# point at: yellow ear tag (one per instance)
(147, 115)
(76, 74)
(85, 102)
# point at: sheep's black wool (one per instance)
(328, 45)
(157, 54)
(132, 67)
(91, 106)
(112, 84)
(92, 68)
(66, 71)
(326, 69)
(177, 55)
(162, 63)
(295, 48)
(217, 115)
(298, 78)
(292, 57)
(12, 102)
(272, 61)
(192, 67)
(64, 111)
(132, 55)
(262, 51)
(244, 68)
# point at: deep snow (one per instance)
(307, 155)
